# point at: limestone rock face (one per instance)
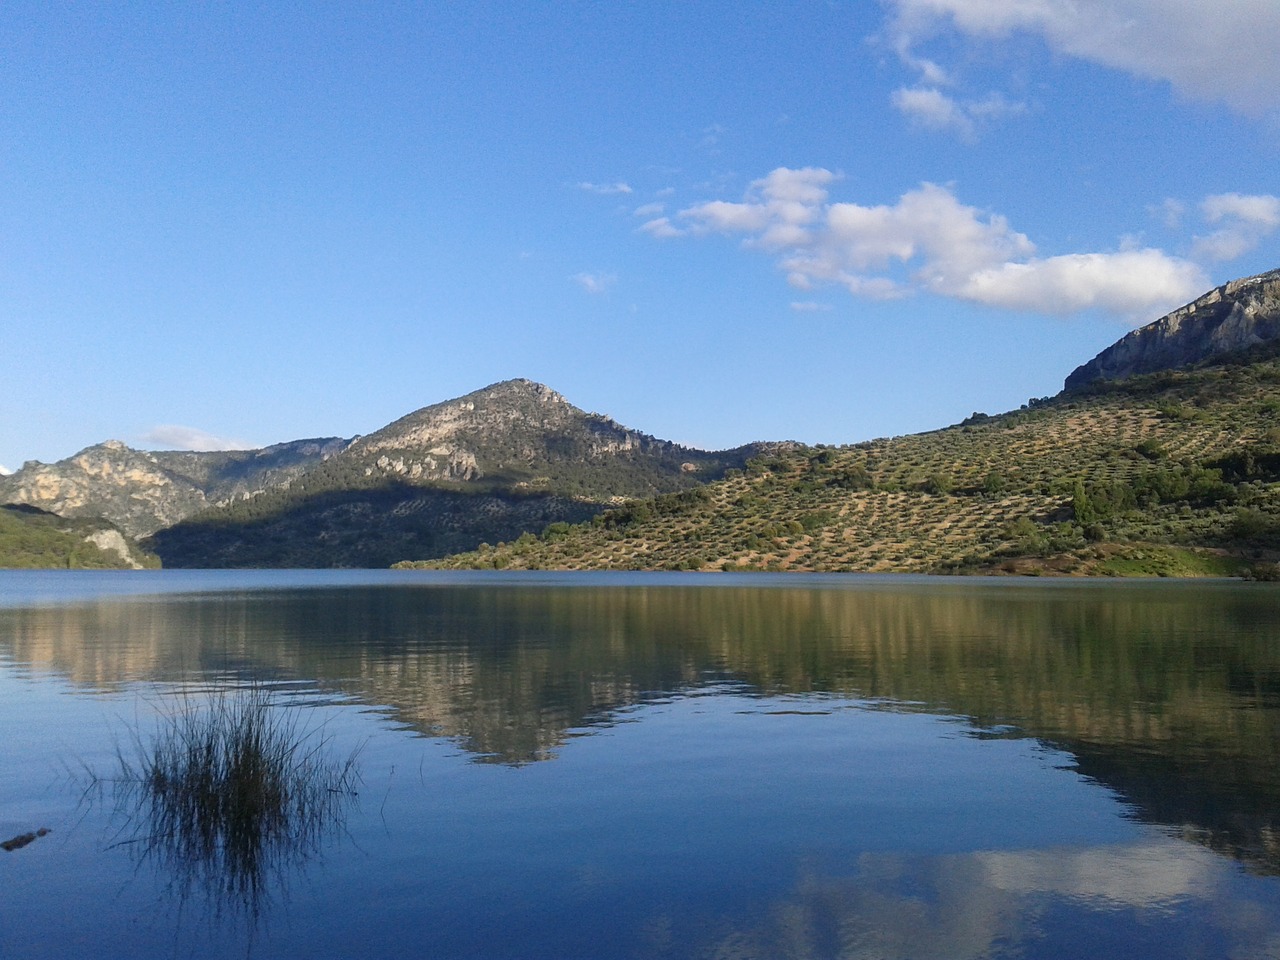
(113, 541)
(143, 491)
(515, 426)
(1235, 316)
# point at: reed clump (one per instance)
(233, 794)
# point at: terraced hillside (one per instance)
(1173, 473)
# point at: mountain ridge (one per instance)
(508, 460)
(504, 460)
(143, 491)
(1231, 318)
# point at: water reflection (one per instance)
(1020, 903)
(1167, 693)
(232, 796)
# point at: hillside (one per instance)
(142, 491)
(1170, 473)
(33, 539)
(510, 458)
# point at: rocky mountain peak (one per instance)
(1233, 317)
(496, 410)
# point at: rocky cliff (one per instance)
(1231, 318)
(517, 433)
(141, 491)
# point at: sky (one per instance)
(238, 224)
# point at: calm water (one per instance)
(661, 766)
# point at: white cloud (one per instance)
(4, 471)
(171, 436)
(595, 282)
(932, 109)
(1170, 212)
(649, 209)
(809, 306)
(929, 241)
(1246, 221)
(1228, 52)
(662, 228)
(1136, 284)
(605, 189)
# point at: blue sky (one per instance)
(716, 222)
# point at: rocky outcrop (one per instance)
(113, 542)
(1231, 318)
(515, 422)
(142, 491)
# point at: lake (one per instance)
(662, 765)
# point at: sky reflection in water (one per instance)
(892, 769)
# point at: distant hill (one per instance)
(141, 491)
(1161, 457)
(1234, 317)
(32, 538)
(489, 466)
(1173, 473)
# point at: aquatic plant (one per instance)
(232, 794)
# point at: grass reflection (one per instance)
(230, 797)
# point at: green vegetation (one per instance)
(369, 527)
(230, 792)
(33, 539)
(513, 463)
(1171, 474)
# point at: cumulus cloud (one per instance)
(929, 241)
(1130, 283)
(605, 189)
(1245, 222)
(4, 471)
(595, 282)
(170, 436)
(1227, 52)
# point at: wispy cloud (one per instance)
(170, 436)
(649, 209)
(928, 241)
(1227, 52)
(932, 109)
(1169, 212)
(605, 189)
(810, 306)
(595, 283)
(1245, 221)
(661, 227)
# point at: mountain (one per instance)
(487, 467)
(141, 492)
(32, 538)
(1172, 473)
(1234, 317)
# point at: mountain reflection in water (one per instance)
(1167, 693)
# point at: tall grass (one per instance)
(231, 795)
